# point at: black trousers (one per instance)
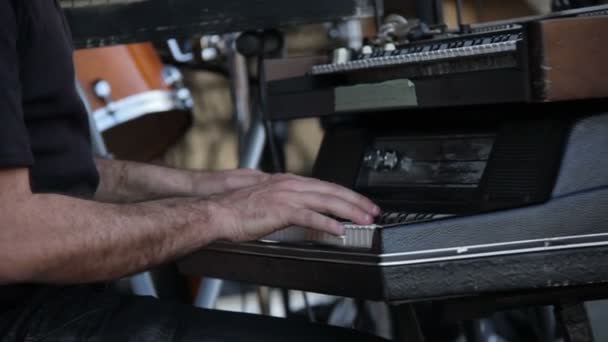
(73, 314)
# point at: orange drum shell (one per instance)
(131, 70)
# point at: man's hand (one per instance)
(284, 200)
(49, 238)
(218, 182)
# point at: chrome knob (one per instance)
(212, 47)
(210, 54)
(390, 160)
(389, 47)
(341, 55)
(406, 164)
(367, 50)
(373, 159)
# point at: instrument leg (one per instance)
(406, 325)
(575, 322)
(263, 294)
(208, 292)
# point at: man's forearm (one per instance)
(128, 182)
(124, 182)
(58, 239)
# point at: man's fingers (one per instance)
(313, 220)
(333, 205)
(312, 185)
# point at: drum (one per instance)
(140, 106)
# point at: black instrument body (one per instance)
(554, 204)
(496, 63)
(98, 23)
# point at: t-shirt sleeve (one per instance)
(15, 150)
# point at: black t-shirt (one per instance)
(43, 123)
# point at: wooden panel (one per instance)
(573, 57)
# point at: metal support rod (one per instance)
(430, 11)
(459, 13)
(378, 11)
(264, 294)
(239, 75)
(352, 31)
(277, 161)
(97, 142)
(208, 292)
(251, 157)
(143, 285)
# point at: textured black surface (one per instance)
(96, 23)
(579, 205)
(585, 162)
(580, 214)
(524, 163)
(526, 272)
(573, 318)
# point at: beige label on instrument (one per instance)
(373, 96)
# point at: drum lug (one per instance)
(175, 80)
(185, 97)
(103, 91)
(172, 76)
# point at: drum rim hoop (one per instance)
(136, 106)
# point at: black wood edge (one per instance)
(555, 270)
(478, 88)
(118, 22)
